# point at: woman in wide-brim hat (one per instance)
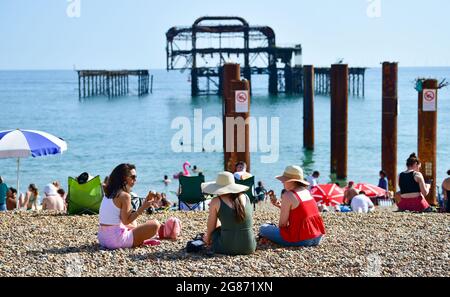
(230, 220)
(300, 222)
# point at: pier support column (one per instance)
(427, 135)
(79, 86)
(339, 120)
(236, 142)
(308, 107)
(389, 123)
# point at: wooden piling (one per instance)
(427, 135)
(389, 123)
(339, 117)
(308, 107)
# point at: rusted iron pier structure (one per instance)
(111, 83)
(356, 81)
(213, 41)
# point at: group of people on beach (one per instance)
(54, 198)
(230, 219)
(229, 228)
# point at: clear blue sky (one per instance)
(38, 34)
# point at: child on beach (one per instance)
(116, 213)
(300, 223)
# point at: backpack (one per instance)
(171, 229)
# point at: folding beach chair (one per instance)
(84, 198)
(191, 192)
(249, 182)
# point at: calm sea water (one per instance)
(103, 133)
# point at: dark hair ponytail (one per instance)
(412, 160)
(239, 209)
(117, 180)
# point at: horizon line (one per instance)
(143, 68)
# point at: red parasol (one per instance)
(329, 194)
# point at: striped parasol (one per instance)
(329, 194)
(25, 143)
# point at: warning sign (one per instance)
(242, 102)
(429, 100)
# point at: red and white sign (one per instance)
(242, 102)
(429, 100)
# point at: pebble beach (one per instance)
(382, 244)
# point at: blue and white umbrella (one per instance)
(25, 143)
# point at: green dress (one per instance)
(234, 238)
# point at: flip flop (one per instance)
(152, 242)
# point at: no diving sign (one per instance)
(242, 101)
(429, 100)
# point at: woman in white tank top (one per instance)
(116, 212)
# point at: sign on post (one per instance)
(242, 102)
(429, 100)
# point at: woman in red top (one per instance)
(300, 222)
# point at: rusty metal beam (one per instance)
(389, 123)
(427, 139)
(339, 120)
(308, 107)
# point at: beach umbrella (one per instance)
(25, 143)
(370, 190)
(329, 194)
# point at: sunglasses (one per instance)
(133, 177)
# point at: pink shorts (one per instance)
(115, 237)
(413, 204)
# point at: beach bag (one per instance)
(196, 245)
(171, 229)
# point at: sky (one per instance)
(129, 34)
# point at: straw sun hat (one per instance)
(293, 174)
(224, 184)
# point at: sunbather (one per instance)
(413, 187)
(116, 212)
(230, 219)
(300, 223)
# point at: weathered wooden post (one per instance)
(339, 120)
(389, 123)
(308, 107)
(427, 134)
(79, 86)
(236, 117)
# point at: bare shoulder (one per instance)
(288, 196)
(215, 203)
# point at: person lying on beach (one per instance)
(161, 202)
(230, 219)
(52, 200)
(116, 212)
(300, 223)
(413, 188)
(31, 198)
(362, 204)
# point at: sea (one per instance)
(102, 133)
